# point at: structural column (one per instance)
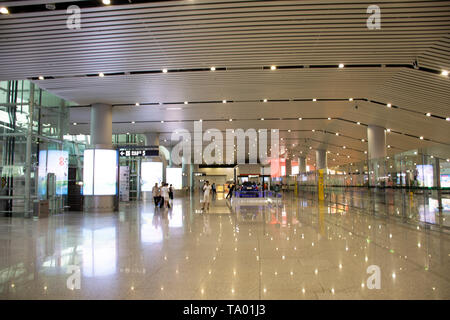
(302, 164)
(101, 138)
(321, 159)
(288, 168)
(376, 138)
(101, 126)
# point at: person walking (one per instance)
(213, 189)
(206, 195)
(156, 193)
(171, 193)
(230, 192)
(165, 196)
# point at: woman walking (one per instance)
(206, 195)
(156, 193)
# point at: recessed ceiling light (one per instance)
(224, 101)
(164, 70)
(389, 105)
(337, 133)
(200, 120)
(365, 152)
(128, 133)
(443, 72)
(262, 119)
(358, 123)
(341, 65)
(299, 118)
(344, 147)
(388, 130)
(313, 130)
(314, 99)
(133, 122)
(363, 140)
(41, 78)
(428, 114)
(388, 146)
(447, 119)
(101, 74)
(265, 100)
(137, 104)
(107, 2)
(162, 121)
(329, 118)
(4, 10)
(350, 99)
(273, 67)
(186, 102)
(213, 68)
(421, 138)
(230, 120)
(74, 123)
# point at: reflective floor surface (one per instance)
(289, 248)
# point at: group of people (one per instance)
(162, 195)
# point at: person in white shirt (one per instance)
(156, 193)
(206, 195)
(165, 195)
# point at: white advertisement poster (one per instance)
(100, 172)
(151, 173)
(88, 172)
(425, 175)
(124, 183)
(174, 176)
(105, 172)
(57, 162)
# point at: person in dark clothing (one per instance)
(230, 192)
(213, 189)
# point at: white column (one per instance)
(321, 159)
(376, 138)
(101, 126)
(302, 164)
(101, 138)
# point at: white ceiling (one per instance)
(244, 37)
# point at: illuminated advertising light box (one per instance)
(425, 175)
(57, 162)
(151, 173)
(445, 181)
(100, 172)
(88, 172)
(174, 176)
(295, 169)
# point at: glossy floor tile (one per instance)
(289, 248)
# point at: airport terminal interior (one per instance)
(221, 150)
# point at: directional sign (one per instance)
(138, 152)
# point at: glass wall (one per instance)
(412, 185)
(32, 149)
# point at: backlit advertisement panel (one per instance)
(151, 173)
(425, 175)
(53, 161)
(174, 176)
(105, 172)
(88, 172)
(100, 172)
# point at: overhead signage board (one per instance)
(139, 152)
